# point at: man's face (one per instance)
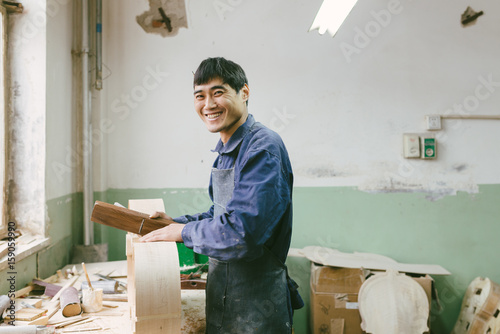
(220, 107)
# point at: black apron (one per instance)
(244, 297)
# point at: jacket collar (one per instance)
(236, 138)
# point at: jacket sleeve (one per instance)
(199, 216)
(260, 198)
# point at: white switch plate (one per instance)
(411, 145)
(433, 122)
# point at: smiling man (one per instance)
(246, 233)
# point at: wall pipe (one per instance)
(88, 199)
(98, 59)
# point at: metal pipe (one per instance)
(86, 130)
(490, 117)
(98, 59)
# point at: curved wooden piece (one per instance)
(154, 284)
(157, 295)
(393, 303)
(480, 312)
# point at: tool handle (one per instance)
(87, 275)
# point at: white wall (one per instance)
(341, 117)
(61, 128)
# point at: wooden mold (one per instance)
(154, 287)
(393, 303)
(480, 312)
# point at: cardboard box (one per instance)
(334, 298)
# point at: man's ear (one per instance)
(245, 92)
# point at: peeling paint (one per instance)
(152, 21)
(434, 190)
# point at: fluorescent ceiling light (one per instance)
(331, 15)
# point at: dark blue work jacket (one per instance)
(260, 211)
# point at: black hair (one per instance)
(229, 72)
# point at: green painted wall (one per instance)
(458, 232)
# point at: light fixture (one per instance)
(331, 15)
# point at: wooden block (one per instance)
(42, 321)
(126, 219)
(115, 298)
(29, 314)
(147, 206)
(35, 302)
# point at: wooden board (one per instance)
(29, 314)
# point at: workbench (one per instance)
(115, 317)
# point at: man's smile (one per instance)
(213, 116)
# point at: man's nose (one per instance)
(210, 103)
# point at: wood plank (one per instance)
(29, 314)
(24, 291)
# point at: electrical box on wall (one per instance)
(433, 122)
(411, 145)
(419, 146)
(428, 146)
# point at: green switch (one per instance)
(428, 148)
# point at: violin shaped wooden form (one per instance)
(126, 219)
(154, 284)
(393, 303)
(480, 312)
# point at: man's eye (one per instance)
(217, 93)
(198, 97)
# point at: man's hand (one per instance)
(160, 214)
(172, 232)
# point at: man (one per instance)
(246, 233)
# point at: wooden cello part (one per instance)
(126, 219)
(154, 286)
(480, 312)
